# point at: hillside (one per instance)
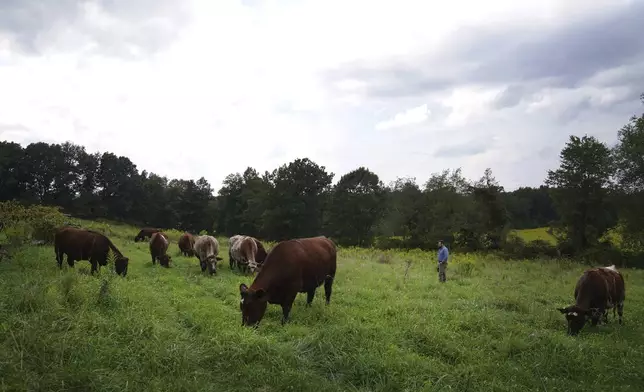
(493, 326)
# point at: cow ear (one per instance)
(243, 289)
(562, 310)
(260, 294)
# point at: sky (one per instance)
(406, 88)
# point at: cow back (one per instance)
(299, 264)
(205, 246)
(159, 242)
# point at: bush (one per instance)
(22, 224)
(385, 243)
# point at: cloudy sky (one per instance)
(191, 88)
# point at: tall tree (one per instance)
(296, 200)
(580, 192)
(357, 204)
(491, 215)
(444, 207)
(629, 158)
(11, 186)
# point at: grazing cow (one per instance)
(186, 244)
(207, 251)
(158, 248)
(145, 232)
(597, 290)
(79, 244)
(231, 243)
(291, 267)
(244, 251)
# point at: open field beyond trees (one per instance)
(390, 327)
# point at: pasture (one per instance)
(391, 326)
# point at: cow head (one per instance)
(252, 265)
(120, 265)
(252, 305)
(165, 260)
(211, 263)
(576, 318)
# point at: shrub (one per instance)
(21, 224)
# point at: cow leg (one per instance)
(203, 266)
(309, 297)
(605, 320)
(59, 257)
(70, 261)
(286, 307)
(154, 260)
(328, 283)
(94, 263)
(620, 311)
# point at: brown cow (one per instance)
(158, 248)
(244, 252)
(80, 244)
(186, 244)
(291, 267)
(145, 232)
(597, 290)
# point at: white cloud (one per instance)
(206, 88)
(411, 116)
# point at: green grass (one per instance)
(540, 233)
(492, 327)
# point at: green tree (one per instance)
(356, 206)
(296, 201)
(629, 159)
(11, 187)
(580, 192)
(491, 218)
(442, 208)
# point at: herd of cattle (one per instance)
(301, 266)
(291, 267)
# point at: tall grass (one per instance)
(391, 326)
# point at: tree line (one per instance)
(595, 189)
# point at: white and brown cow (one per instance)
(597, 290)
(207, 251)
(246, 252)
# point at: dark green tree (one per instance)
(580, 190)
(11, 184)
(629, 159)
(444, 208)
(491, 218)
(295, 203)
(356, 206)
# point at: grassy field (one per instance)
(540, 233)
(492, 327)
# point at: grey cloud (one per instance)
(562, 57)
(147, 25)
(510, 97)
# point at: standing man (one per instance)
(443, 255)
